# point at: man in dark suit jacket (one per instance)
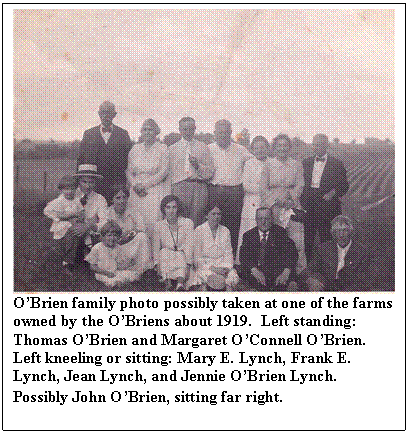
(268, 256)
(107, 146)
(325, 182)
(342, 264)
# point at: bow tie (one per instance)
(106, 129)
(318, 159)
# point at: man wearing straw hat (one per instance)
(107, 146)
(95, 212)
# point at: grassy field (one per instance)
(32, 239)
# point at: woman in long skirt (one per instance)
(148, 167)
(284, 186)
(254, 182)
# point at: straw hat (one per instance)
(88, 170)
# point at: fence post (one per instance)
(17, 173)
(45, 181)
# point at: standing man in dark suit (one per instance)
(268, 256)
(341, 264)
(325, 182)
(107, 146)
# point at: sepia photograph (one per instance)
(204, 150)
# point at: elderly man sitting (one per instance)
(342, 264)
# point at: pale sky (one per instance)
(294, 71)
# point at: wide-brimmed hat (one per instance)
(88, 170)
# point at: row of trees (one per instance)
(46, 150)
(26, 149)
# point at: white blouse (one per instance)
(284, 178)
(148, 166)
(206, 247)
(163, 237)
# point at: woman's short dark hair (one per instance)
(168, 199)
(111, 226)
(210, 206)
(115, 189)
(282, 137)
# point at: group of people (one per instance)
(206, 215)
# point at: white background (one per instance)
(368, 394)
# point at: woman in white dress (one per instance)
(134, 241)
(254, 182)
(148, 167)
(285, 184)
(173, 244)
(213, 258)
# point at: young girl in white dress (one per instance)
(148, 167)
(110, 264)
(213, 256)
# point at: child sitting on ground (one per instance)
(107, 260)
(65, 211)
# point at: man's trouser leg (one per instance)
(230, 199)
(68, 247)
(310, 234)
(194, 197)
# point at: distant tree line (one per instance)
(27, 149)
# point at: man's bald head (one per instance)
(107, 113)
(223, 132)
(320, 144)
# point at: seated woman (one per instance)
(134, 241)
(172, 244)
(213, 256)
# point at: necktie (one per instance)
(262, 251)
(106, 129)
(318, 159)
(84, 200)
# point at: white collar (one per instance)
(324, 157)
(179, 222)
(261, 233)
(345, 249)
